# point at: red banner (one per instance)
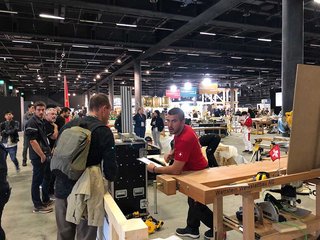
(66, 93)
(173, 94)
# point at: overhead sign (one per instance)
(208, 88)
(1, 82)
(190, 93)
(10, 87)
(173, 94)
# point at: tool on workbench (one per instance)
(288, 198)
(258, 214)
(271, 212)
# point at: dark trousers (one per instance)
(199, 213)
(67, 230)
(40, 177)
(4, 197)
(12, 151)
(212, 142)
(140, 131)
(25, 148)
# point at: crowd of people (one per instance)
(43, 124)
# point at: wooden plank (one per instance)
(120, 227)
(248, 215)
(304, 148)
(167, 184)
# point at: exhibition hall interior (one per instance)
(159, 119)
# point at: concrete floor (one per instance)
(20, 222)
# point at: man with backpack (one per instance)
(101, 151)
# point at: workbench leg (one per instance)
(318, 205)
(248, 216)
(218, 218)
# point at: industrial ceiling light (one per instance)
(94, 80)
(126, 25)
(258, 59)
(134, 50)
(206, 81)
(9, 12)
(80, 46)
(164, 29)
(187, 86)
(317, 1)
(236, 58)
(148, 72)
(315, 45)
(119, 60)
(98, 76)
(207, 33)
(43, 15)
(59, 75)
(106, 70)
(264, 39)
(168, 63)
(90, 21)
(79, 76)
(193, 54)
(21, 41)
(173, 88)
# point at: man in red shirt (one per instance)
(246, 123)
(187, 156)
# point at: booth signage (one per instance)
(190, 93)
(173, 94)
(208, 89)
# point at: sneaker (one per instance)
(49, 203)
(245, 151)
(42, 209)
(24, 164)
(18, 170)
(188, 232)
(208, 235)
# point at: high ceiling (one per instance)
(175, 40)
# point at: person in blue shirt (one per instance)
(140, 123)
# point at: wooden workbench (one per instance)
(211, 185)
(198, 130)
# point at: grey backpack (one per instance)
(71, 152)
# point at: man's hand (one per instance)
(168, 157)
(43, 158)
(150, 167)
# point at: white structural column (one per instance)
(137, 84)
(111, 92)
(232, 95)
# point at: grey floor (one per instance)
(20, 223)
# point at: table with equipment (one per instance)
(211, 185)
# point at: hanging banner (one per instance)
(66, 93)
(208, 89)
(190, 93)
(173, 94)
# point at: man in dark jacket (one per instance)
(102, 150)
(39, 153)
(5, 189)
(10, 137)
(140, 123)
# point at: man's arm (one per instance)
(176, 168)
(55, 133)
(36, 147)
